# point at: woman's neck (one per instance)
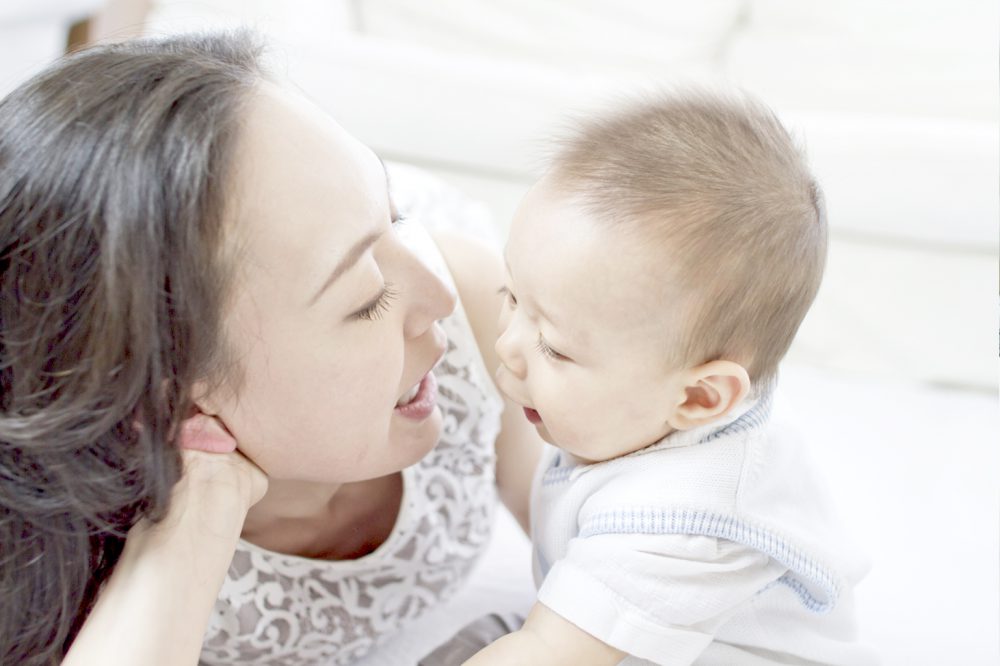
(325, 521)
(291, 500)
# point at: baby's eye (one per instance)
(548, 351)
(508, 295)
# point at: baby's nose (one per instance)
(509, 353)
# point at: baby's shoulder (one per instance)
(714, 473)
(705, 474)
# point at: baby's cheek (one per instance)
(585, 422)
(565, 429)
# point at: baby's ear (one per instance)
(711, 390)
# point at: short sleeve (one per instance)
(657, 597)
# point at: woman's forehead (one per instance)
(293, 153)
(305, 189)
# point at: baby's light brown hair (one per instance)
(720, 185)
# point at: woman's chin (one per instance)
(412, 441)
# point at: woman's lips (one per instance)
(532, 415)
(424, 403)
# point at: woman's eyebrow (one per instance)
(349, 260)
(356, 250)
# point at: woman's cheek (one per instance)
(375, 372)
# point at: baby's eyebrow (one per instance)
(545, 315)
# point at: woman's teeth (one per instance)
(409, 396)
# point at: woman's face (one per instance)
(333, 320)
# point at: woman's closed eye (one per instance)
(379, 306)
(544, 348)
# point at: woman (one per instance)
(196, 258)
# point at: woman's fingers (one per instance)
(208, 505)
(210, 453)
(211, 474)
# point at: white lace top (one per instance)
(283, 609)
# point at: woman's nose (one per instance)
(433, 299)
(508, 351)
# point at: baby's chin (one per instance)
(576, 453)
(543, 432)
(571, 451)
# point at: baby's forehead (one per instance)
(615, 266)
(625, 283)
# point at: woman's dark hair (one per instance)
(114, 168)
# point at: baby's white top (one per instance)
(713, 546)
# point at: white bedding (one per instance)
(915, 470)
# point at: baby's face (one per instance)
(586, 331)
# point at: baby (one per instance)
(657, 274)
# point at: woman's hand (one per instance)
(154, 608)
(214, 494)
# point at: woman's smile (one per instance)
(422, 400)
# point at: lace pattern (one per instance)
(281, 609)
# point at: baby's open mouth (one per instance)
(532, 415)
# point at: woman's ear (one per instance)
(711, 390)
(202, 430)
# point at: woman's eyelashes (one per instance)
(544, 348)
(379, 306)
